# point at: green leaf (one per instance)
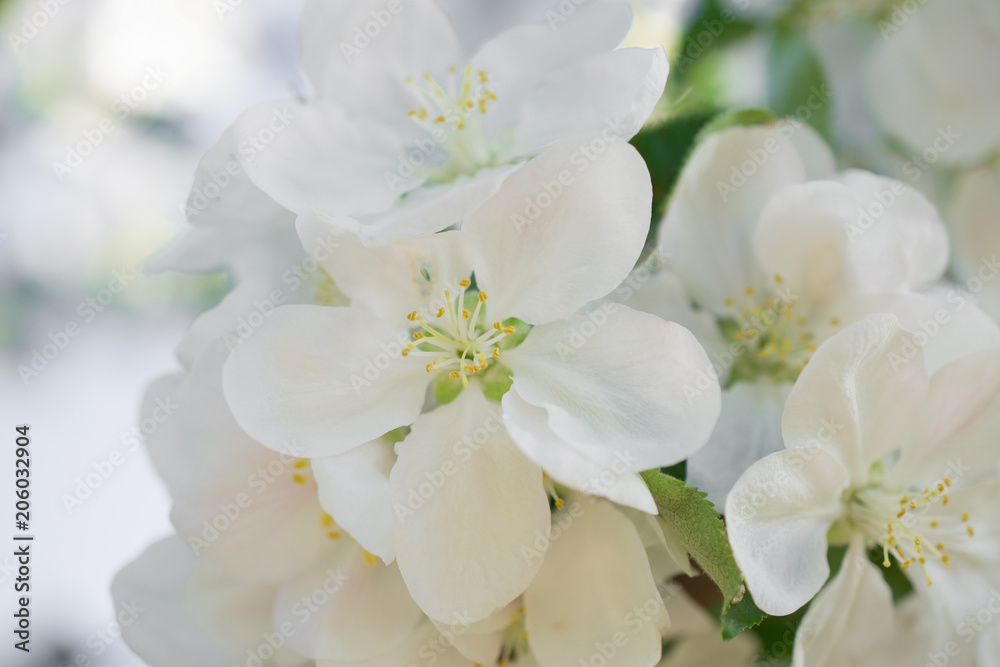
(693, 523)
(797, 85)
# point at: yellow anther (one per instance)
(299, 479)
(412, 316)
(302, 463)
(559, 503)
(939, 546)
(947, 481)
(889, 528)
(778, 279)
(739, 335)
(509, 330)
(406, 351)
(483, 78)
(333, 535)
(892, 541)
(418, 335)
(498, 326)
(944, 499)
(904, 500)
(454, 375)
(901, 514)
(464, 283)
(430, 367)
(748, 291)
(934, 523)
(946, 559)
(371, 560)
(440, 312)
(326, 520)
(965, 517)
(972, 533)
(466, 314)
(922, 560)
(496, 353)
(482, 297)
(835, 321)
(439, 119)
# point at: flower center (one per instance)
(907, 526)
(455, 338)
(773, 339)
(453, 116)
(514, 642)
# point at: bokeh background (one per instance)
(106, 107)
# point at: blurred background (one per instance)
(106, 107)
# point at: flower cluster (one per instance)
(475, 399)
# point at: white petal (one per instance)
(318, 381)
(850, 617)
(166, 632)
(223, 195)
(777, 518)
(748, 430)
(366, 72)
(626, 388)
(467, 505)
(522, 56)
(595, 589)
(424, 645)
(529, 428)
(711, 221)
(811, 236)
(344, 609)
(613, 94)
(389, 281)
(976, 236)
(480, 641)
(542, 264)
(858, 395)
(354, 490)
(913, 219)
(316, 157)
(431, 208)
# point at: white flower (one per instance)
(778, 252)
(408, 134)
(594, 399)
(933, 81)
(976, 235)
(877, 452)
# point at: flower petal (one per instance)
(566, 253)
(389, 281)
(528, 426)
(467, 504)
(748, 430)
(850, 617)
(345, 609)
(613, 93)
(317, 157)
(366, 73)
(858, 395)
(323, 380)
(354, 489)
(595, 587)
(777, 518)
(625, 388)
(710, 225)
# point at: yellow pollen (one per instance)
(972, 533)
(299, 479)
(748, 291)
(559, 503)
(482, 297)
(835, 321)
(944, 499)
(440, 312)
(333, 535)
(371, 560)
(466, 314)
(939, 546)
(901, 514)
(965, 517)
(326, 520)
(418, 335)
(946, 559)
(302, 463)
(778, 279)
(947, 481)
(406, 351)
(455, 375)
(934, 523)
(464, 283)
(496, 353)
(412, 316)
(729, 303)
